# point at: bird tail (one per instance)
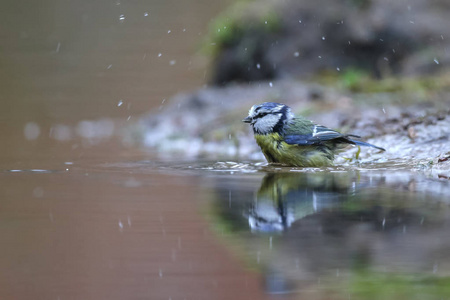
(359, 143)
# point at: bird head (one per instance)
(268, 117)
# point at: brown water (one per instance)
(84, 216)
(72, 74)
(98, 232)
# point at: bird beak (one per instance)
(247, 120)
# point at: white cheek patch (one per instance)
(266, 124)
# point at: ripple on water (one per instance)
(34, 171)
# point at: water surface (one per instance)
(154, 229)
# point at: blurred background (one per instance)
(127, 174)
(77, 73)
(70, 69)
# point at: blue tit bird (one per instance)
(293, 140)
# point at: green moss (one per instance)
(362, 4)
(360, 81)
(372, 285)
(240, 19)
(353, 79)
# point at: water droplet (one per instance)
(146, 14)
(159, 54)
(270, 84)
(169, 31)
(121, 18)
(172, 62)
(338, 69)
(120, 103)
(108, 67)
(297, 54)
(258, 66)
(436, 61)
(323, 38)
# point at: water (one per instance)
(361, 233)
(120, 228)
(351, 231)
(105, 230)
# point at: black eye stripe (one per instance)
(262, 114)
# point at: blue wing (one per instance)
(299, 139)
(318, 135)
(321, 134)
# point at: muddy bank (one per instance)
(207, 123)
(268, 40)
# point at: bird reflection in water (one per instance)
(284, 198)
(361, 230)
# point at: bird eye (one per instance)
(262, 114)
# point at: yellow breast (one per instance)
(277, 151)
